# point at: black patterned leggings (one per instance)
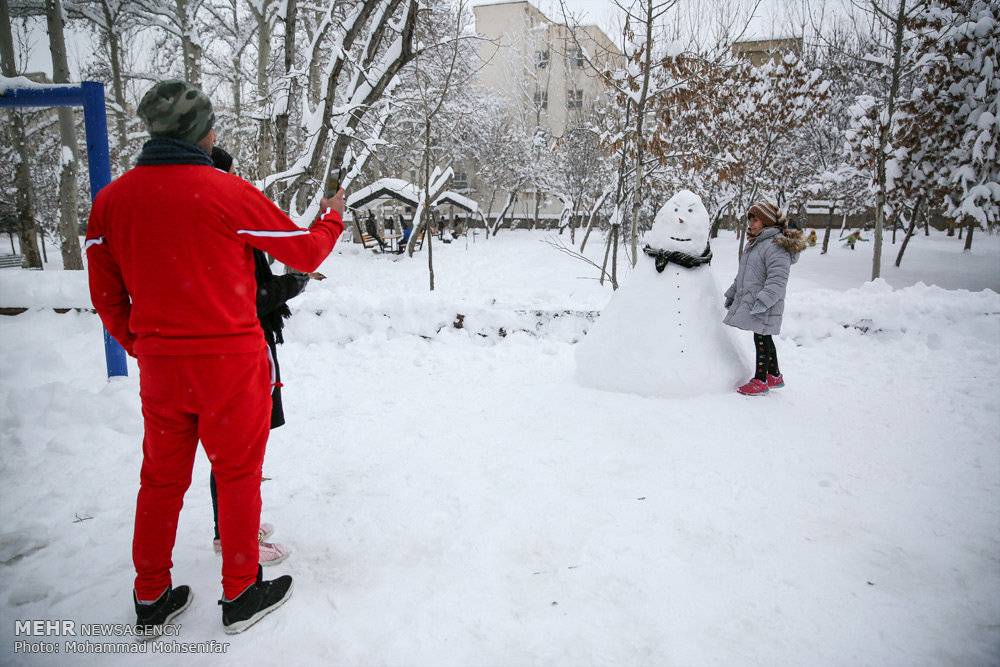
(767, 357)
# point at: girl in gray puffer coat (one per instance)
(756, 299)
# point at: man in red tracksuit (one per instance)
(169, 252)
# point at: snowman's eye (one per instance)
(690, 210)
(676, 209)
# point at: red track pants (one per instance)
(225, 400)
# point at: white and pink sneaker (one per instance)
(271, 553)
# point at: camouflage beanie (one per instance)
(178, 110)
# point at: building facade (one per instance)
(547, 76)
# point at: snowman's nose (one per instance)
(680, 220)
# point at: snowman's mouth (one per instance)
(674, 238)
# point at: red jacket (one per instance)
(170, 259)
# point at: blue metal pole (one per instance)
(90, 95)
(99, 162)
(47, 96)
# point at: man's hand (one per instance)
(336, 202)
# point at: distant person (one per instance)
(811, 239)
(407, 227)
(853, 238)
(172, 277)
(372, 230)
(756, 299)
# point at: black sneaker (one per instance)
(256, 602)
(150, 618)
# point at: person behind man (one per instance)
(273, 294)
(169, 254)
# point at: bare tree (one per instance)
(69, 154)
(112, 20)
(876, 117)
(181, 20)
(436, 75)
(24, 203)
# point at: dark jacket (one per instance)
(273, 292)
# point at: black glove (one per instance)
(300, 280)
(729, 303)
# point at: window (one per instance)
(576, 57)
(541, 99)
(542, 59)
(460, 181)
(574, 99)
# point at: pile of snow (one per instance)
(454, 499)
(44, 289)
(929, 313)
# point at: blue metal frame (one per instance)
(90, 96)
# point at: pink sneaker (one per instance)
(272, 553)
(266, 530)
(754, 387)
(775, 381)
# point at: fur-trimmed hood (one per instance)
(792, 240)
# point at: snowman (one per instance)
(662, 333)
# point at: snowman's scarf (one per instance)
(664, 257)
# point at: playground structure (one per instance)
(405, 193)
(24, 93)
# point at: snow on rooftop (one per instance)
(457, 199)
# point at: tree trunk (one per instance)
(826, 234)
(607, 252)
(538, 204)
(884, 136)
(968, 237)
(593, 216)
(117, 88)
(511, 200)
(189, 45)
(951, 228)
(23, 201)
(640, 108)
(281, 118)
(69, 155)
(614, 256)
(713, 231)
(961, 231)
(909, 233)
(927, 225)
(586, 232)
(264, 139)
(427, 200)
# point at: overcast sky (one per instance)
(770, 20)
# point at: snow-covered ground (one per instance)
(452, 497)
